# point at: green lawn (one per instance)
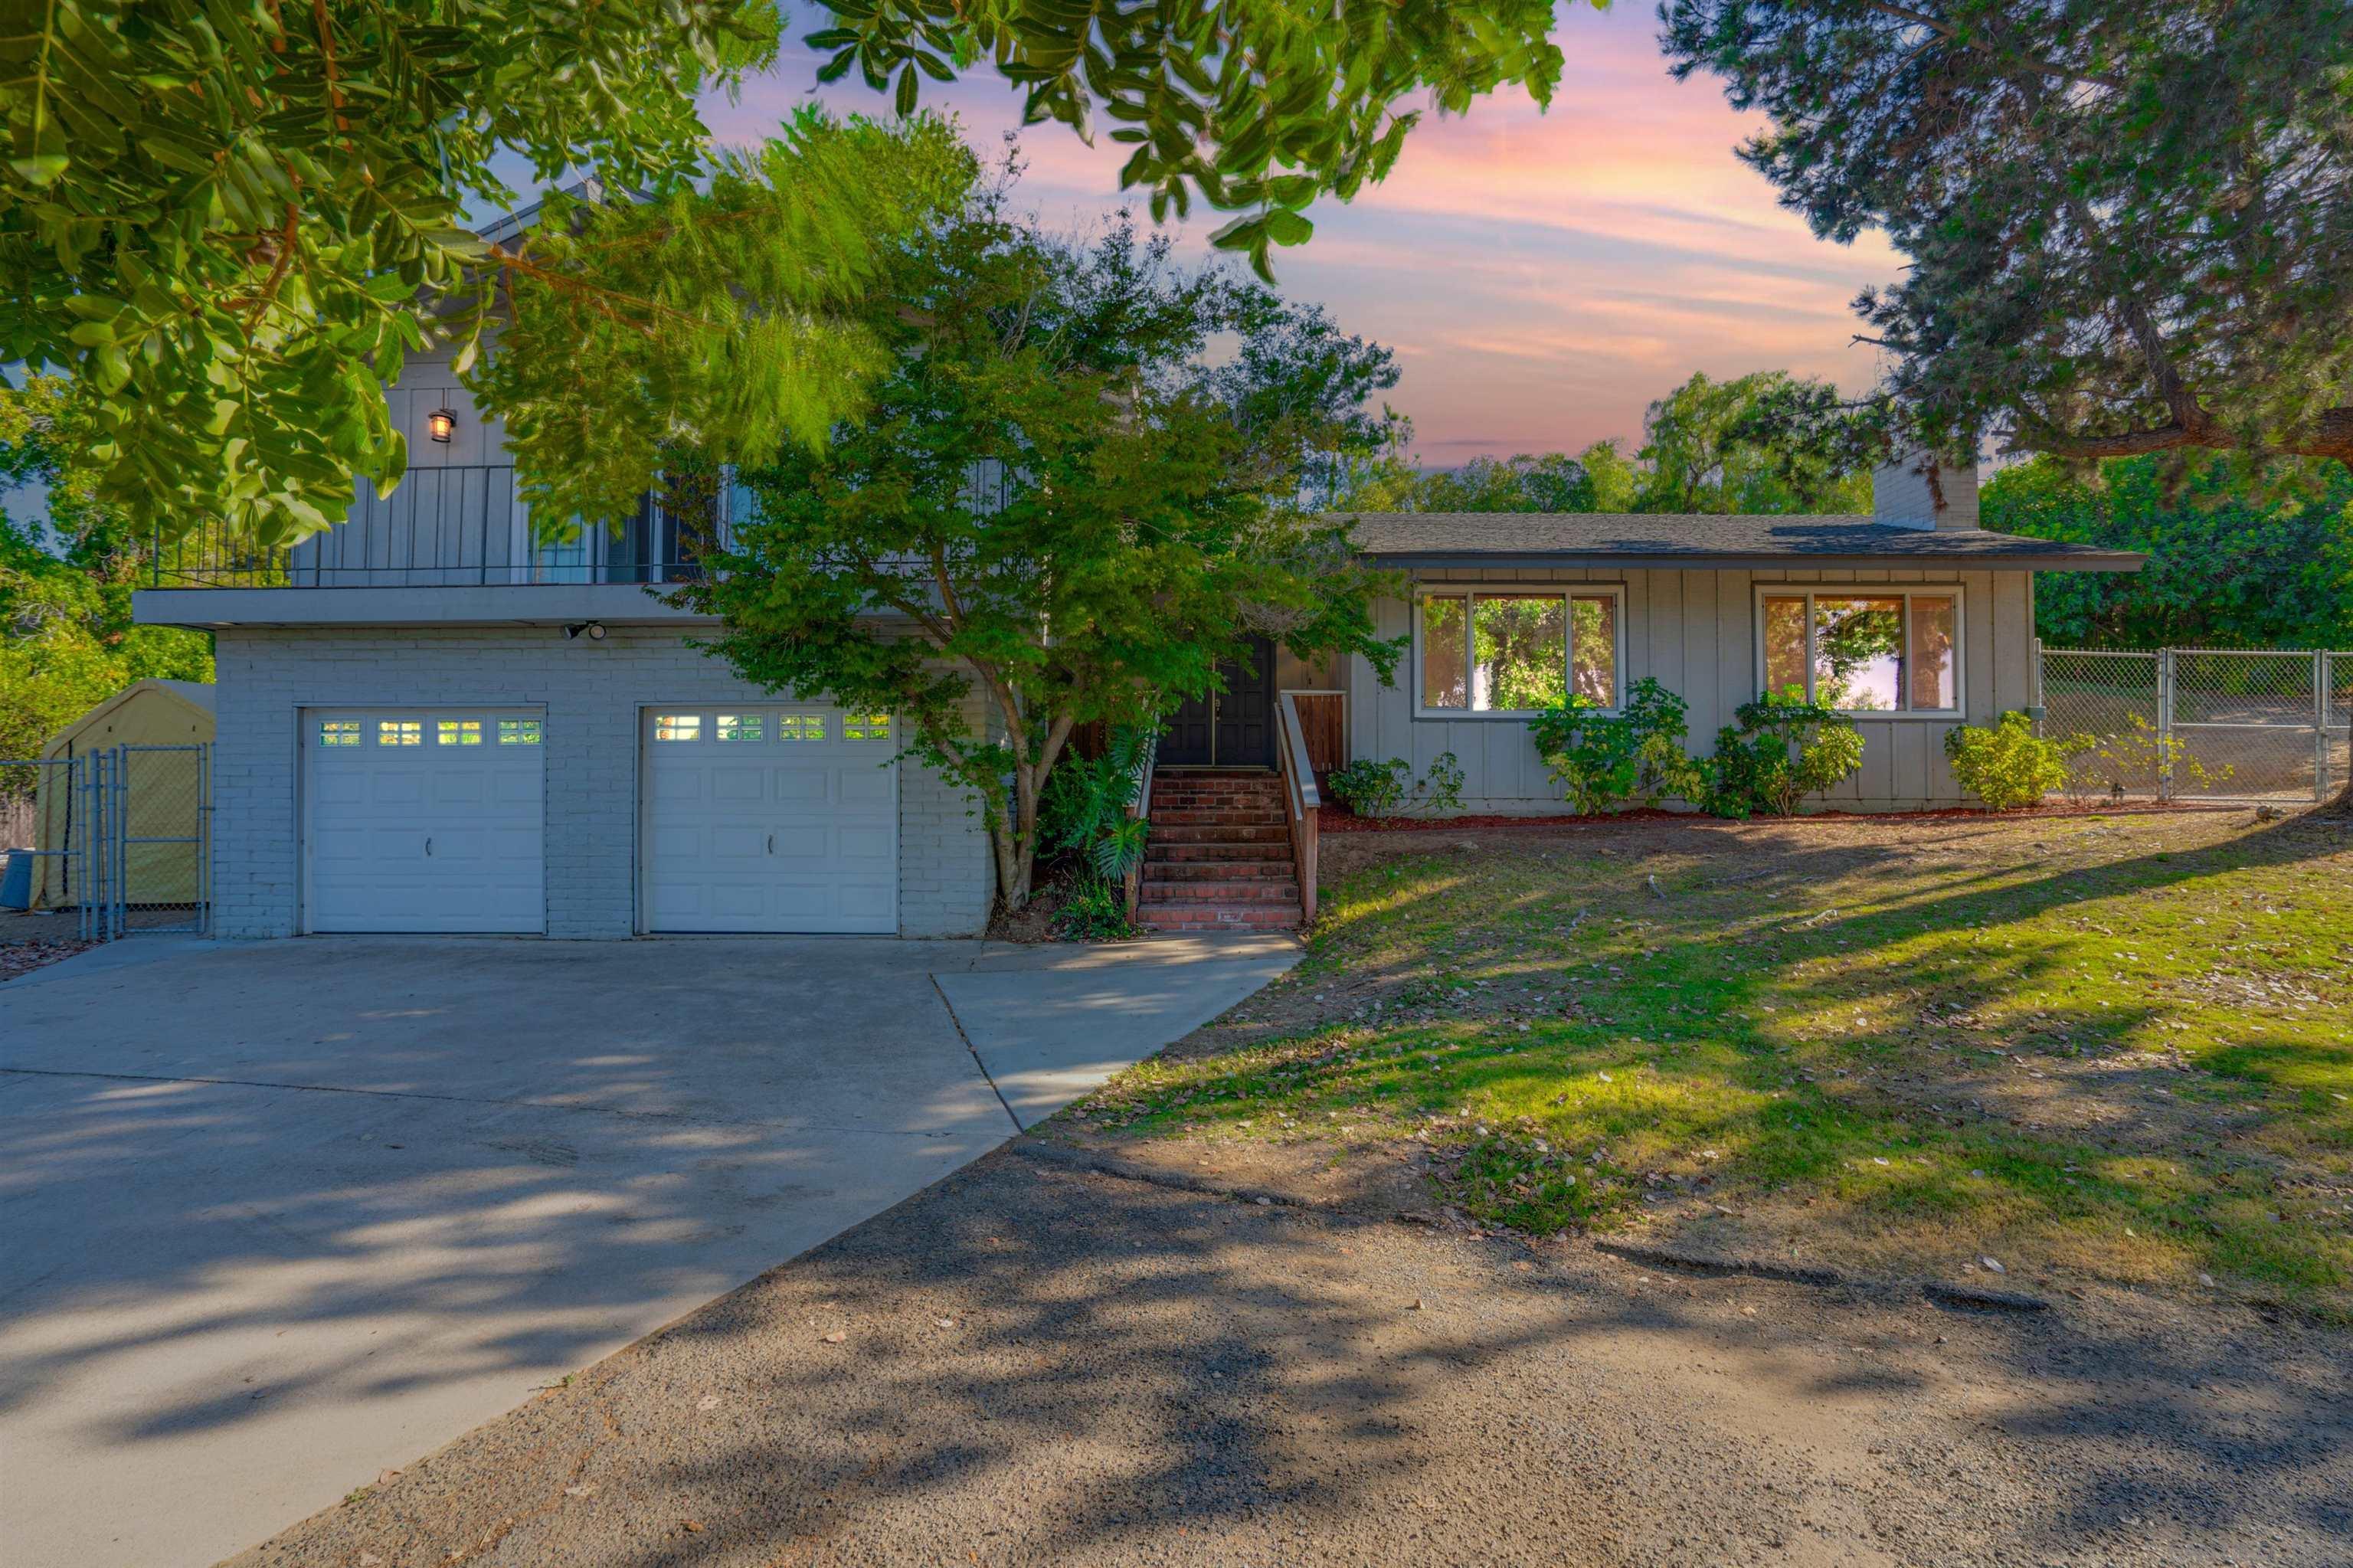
(2117, 1047)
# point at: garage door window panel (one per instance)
(406, 836)
(796, 832)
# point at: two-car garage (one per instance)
(768, 818)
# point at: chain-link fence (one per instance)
(2218, 724)
(110, 842)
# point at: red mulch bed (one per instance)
(1340, 819)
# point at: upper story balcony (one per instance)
(452, 543)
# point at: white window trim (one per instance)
(1905, 591)
(1429, 590)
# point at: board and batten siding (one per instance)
(1694, 630)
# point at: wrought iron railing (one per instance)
(461, 526)
(464, 525)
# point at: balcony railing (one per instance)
(456, 527)
(464, 526)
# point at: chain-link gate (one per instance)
(2216, 723)
(112, 842)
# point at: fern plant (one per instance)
(1085, 812)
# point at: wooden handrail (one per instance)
(1300, 793)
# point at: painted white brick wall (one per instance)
(592, 693)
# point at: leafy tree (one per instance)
(2126, 220)
(1715, 446)
(2240, 554)
(1074, 509)
(1553, 482)
(1259, 109)
(726, 311)
(1767, 441)
(1617, 479)
(231, 222)
(67, 642)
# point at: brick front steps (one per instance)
(1219, 858)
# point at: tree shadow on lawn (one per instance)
(1884, 1052)
(1128, 1374)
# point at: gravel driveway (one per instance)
(1031, 1364)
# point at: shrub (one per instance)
(1096, 911)
(1604, 764)
(2140, 758)
(1782, 749)
(2008, 766)
(1387, 789)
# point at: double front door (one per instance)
(1232, 729)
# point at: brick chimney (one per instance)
(1919, 491)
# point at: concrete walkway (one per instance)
(281, 1216)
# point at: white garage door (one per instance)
(770, 819)
(424, 820)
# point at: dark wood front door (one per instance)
(1233, 728)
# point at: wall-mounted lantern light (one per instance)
(441, 424)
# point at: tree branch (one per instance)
(2328, 436)
(1944, 30)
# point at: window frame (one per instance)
(1468, 591)
(1908, 592)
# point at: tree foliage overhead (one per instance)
(231, 221)
(1054, 485)
(1257, 108)
(66, 640)
(724, 312)
(2128, 219)
(2240, 554)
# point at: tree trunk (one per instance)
(1013, 867)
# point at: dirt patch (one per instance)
(1025, 1364)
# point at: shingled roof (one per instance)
(1691, 539)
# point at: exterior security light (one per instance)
(592, 630)
(441, 424)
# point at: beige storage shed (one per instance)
(165, 798)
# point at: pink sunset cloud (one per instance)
(1542, 275)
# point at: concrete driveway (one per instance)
(275, 1217)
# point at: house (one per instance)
(1912, 618)
(431, 718)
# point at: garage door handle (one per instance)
(428, 848)
(772, 844)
